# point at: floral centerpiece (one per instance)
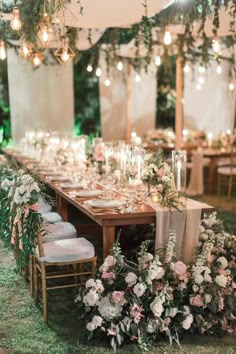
(161, 296)
(158, 173)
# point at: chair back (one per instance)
(232, 158)
(40, 243)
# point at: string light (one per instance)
(3, 53)
(186, 67)
(219, 69)
(158, 60)
(107, 82)
(231, 85)
(120, 66)
(216, 45)
(89, 68)
(98, 71)
(44, 35)
(167, 36)
(201, 69)
(25, 51)
(64, 54)
(201, 80)
(137, 78)
(198, 86)
(15, 21)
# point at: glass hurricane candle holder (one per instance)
(179, 170)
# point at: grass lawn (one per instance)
(22, 330)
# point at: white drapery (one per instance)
(211, 109)
(40, 99)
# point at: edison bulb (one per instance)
(167, 36)
(201, 80)
(120, 66)
(137, 78)
(198, 86)
(65, 55)
(98, 72)
(231, 85)
(36, 60)
(89, 68)
(45, 35)
(107, 82)
(186, 67)
(219, 69)
(201, 69)
(25, 50)
(158, 60)
(216, 45)
(15, 22)
(3, 53)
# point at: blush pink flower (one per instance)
(180, 268)
(196, 301)
(221, 304)
(108, 275)
(118, 297)
(222, 272)
(99, 153)
(136, 312)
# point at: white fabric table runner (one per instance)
(186, 224)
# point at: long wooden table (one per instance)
(108, 220)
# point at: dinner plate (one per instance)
(103, 204)
(58, 178)
(88, 193)
(72, 185)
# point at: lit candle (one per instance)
(178, 180)
(139, 167)
(209, 139)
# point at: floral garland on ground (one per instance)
(162, 297)
(19, 214)
(158, 173)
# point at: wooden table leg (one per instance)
(62, 208)
(108, 239)
(212, 175)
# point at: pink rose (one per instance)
(196, 301)
(118, 297)
(180, 268)
(221, 304)
(135, 312)
(108, 275)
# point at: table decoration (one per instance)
(88, 193)
(103, 204)
(160, 296)
(179, 159)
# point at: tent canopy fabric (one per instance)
(108, 13)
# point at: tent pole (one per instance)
(128, 104)
(178, 105)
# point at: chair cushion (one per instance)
(52, 217)
(44, 207)
(74, 249)
(59, 231)
(226, 170)
(223, 162)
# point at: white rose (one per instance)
(208, 298)
(195, 288)
(221, 280)
(198, 279)
(173, 312)
(186, 324)
(139, 289)
(90, 283)
(131, 279)
(98, 286)
(223, 261)
(91, 298)
(147, 257)
(155, 272)
(157, 308)
(97, 321)
(90, 327)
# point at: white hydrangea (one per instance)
(91, 298)
(109, 310)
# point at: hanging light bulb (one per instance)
(89, 68)
(216, 45)
(219, 69)
(187, 67)
(158, 60)
(15, 21)
(120, 66)
(137, 78)
(3, 53)
(36, 59)
(201, 80)
(231, 85)
(167, 36)
(98, 71)
(198, 86)
(64, 53)
(201, 69)
(25, 51)
(107, 82)
(44, 35)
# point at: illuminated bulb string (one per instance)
(15, 21)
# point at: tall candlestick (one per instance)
(178, 180)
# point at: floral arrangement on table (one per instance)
(158, 173)
(161, 136)
(22, 193)
(162, 297)
(227, 139)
